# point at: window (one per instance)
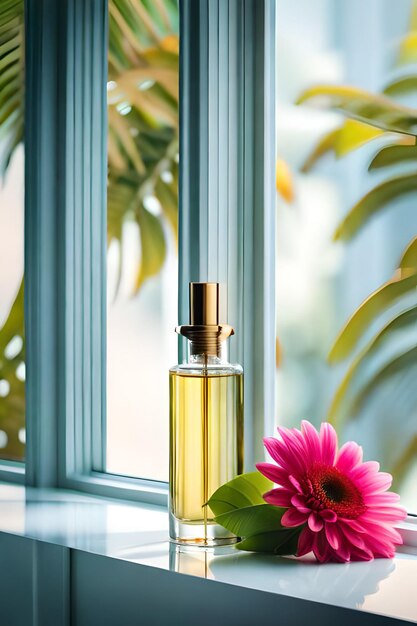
(101, 236)
(142, 224)
(12, 349)
(75, 250)
(320, 282)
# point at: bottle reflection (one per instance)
(196, 561)
(348, 584)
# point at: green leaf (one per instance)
(282, 542)
(350, 136)
(153, 246)
(324, 146)
(393, 154)
(380, 300)
(398, 364)
(243, 491)
(12, 407)
(409, 258)
(169, 202)
(341, 397)
(120, 127)
(14, 324)
(240, 507)
(407, 54)
(252, 520)
(373, 202)
(403, 464)
(401, 86)
(353, 135)
(11, 79)
(376, 110)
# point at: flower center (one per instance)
(330, 489)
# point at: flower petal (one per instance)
(328, 442)
(279, 452)
(321, 548)
(328, 515)
(294, 442)
(360, 528)
(305, 542)
(278, 497)
(356, 539)
(374, 483)
(364, 469)
(382, 498)
(300, 503)
(315, 522)
(384, 514)
(274, 473)
(349, 456)
(332, 535)
(295, 483)
(292, 517)
(312, 441)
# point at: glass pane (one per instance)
(142, 233)
(326, 267)
(12, 365)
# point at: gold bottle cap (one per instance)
(204, 331)
(204, 304)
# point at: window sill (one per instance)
(138, 534)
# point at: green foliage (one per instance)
(374, 201)
(345, 392)
(239, 506)
(142, 146)
(11, 78)
(244, 491)
(12, 406)
(364, 106)
(143, 125)
(378, 112)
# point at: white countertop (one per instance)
(138, 533)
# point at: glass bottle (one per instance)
(206, 422)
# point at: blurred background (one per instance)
(320, 282)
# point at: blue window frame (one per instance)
(227, 209)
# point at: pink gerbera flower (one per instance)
(341, 501)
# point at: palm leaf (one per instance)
(12, 406)
(153, 246)
(401, 86)
(340, 141)
(401, 322)
(392, 155)
(143, 143)
(402, 464)
(11, 79)
(407, 54)
(323, 147)
(403, 281)
(376, 110)
(394, 366)
(373, 202)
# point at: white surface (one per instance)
(138, 533)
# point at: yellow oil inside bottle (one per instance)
(206, 440)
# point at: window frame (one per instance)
(65, 286)
(65, 222)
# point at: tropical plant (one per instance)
(143, 124)
(385, 120)
(142, 149)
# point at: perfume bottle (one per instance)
(206, 422)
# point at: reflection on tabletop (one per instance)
(344, 584)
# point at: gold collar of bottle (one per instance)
(204, 331)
